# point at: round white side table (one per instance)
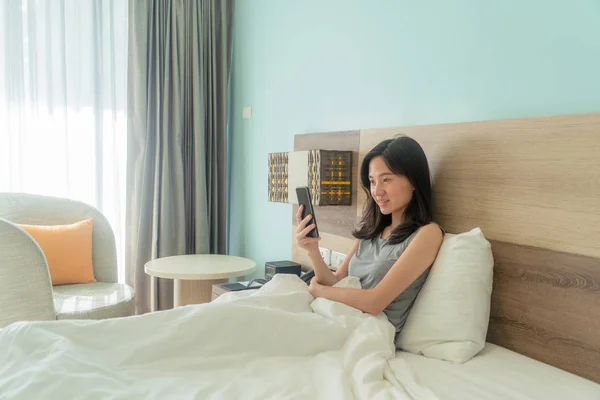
(194, 274)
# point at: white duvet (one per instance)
(276, 343)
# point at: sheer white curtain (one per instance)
(63, 69)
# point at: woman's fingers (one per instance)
(302, 229)
(302, 224)
(299, 214)
(305, 231)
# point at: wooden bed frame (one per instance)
(533, 187)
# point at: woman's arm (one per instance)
(311, 245)
(323, 274)
(342, 270)
(418, 256)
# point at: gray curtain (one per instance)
(178, 69)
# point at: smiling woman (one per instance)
(397, 242)
(395, 175)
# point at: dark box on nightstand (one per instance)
(281, 267)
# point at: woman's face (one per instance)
(391, 192)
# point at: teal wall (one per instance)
(313, 66)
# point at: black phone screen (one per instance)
(304, 199)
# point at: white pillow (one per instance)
(450, 316)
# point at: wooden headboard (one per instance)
(533, 187)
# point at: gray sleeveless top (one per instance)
(372, 261)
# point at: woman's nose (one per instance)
(378, 190)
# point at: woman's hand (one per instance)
(307, 243)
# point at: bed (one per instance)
(531, 186)
(495, 373)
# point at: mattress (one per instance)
(494, 374)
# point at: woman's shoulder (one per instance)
(432, 228)
(431, 231)
(429, 236)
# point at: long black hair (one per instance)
(403, 156)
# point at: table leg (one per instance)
(194, 291)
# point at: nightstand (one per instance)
(217, 290)
(196, 274)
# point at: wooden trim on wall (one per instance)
(532, 181)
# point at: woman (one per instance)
(396, 241)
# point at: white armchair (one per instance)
(26, 291)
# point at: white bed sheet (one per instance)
(279, 343)
(494, 374)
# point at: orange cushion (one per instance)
(68, 250)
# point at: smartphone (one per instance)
(304, 199)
